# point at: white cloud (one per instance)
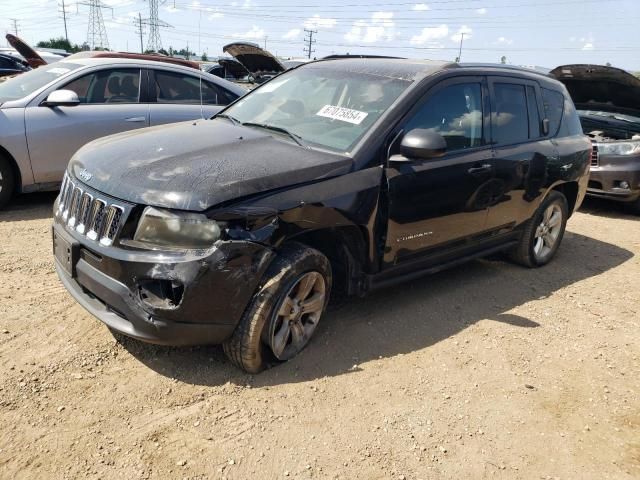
(504, 41)
(463, 29)
(215, 15)
(430, 36)
(254, 33)
(380, 27)
(319, 22)
(291, 34)
(117, 3)
(420, 7)
(247, 5)
(588, 46)
(169, 8)
(481, 11)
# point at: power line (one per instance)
(309, 41)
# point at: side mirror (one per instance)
(62, 98)
(421, 144)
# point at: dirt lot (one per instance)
(488, 370)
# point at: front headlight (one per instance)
(176, 230)
(619, 148)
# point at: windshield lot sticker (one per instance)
(340, 113)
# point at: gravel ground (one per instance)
(487, 370)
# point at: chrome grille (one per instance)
(595, 159)
(99, 219)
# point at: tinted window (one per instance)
(107, 86)
(534, 115)
(178, 88)
(455, 112)
(5, 63)
(511, 120)
(570, 121)
(553, 107)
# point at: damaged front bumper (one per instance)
(159, 297)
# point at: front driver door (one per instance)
(438, 203)
(108, 104)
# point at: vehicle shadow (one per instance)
(32, 206)
(401, 319)
(607, 208)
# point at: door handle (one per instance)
(136, 119)
(484, 168)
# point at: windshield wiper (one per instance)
(234, 120)
(296, 138)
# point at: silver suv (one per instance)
(50, 112)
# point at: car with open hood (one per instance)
(608, 102)
(342, 175)
(261, 64)
(48, 113)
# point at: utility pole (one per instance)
(140, 30)
(64, 18)
(15, 25)
(309, 41)
(265, 42)
(460, 51)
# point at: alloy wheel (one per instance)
(297, 316)
(548, 231)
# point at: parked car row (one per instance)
(342, 175)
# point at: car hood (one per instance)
(255, 59)
(234, 67)
(33, 59)
(197, 165)
(598, 87)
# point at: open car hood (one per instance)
(33, 59)
(234, 67)
(256, 60)
(598, 87)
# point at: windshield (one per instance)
(325, 107)
(27, 83)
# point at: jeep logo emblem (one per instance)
(85, 175)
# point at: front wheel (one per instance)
(284, 313)
(543, 233)
(7, 181)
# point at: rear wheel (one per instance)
(284, 313)
(7, 181)
(543, 233)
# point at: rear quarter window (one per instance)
(571, 121)
(553, 109)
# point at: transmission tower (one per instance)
(96, 34)
(154, 43)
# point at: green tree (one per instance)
(204, 57)
(62, 44)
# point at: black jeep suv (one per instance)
(347, 174)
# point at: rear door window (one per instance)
(172, 87)
(553, 108)
(510, 118)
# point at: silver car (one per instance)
(50, 112)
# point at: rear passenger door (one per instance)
(177, 96)
(521, 151)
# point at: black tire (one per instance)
(525, 252)
(248, 347)
(7, 181)
(633, 207)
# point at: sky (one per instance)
(527, 32)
